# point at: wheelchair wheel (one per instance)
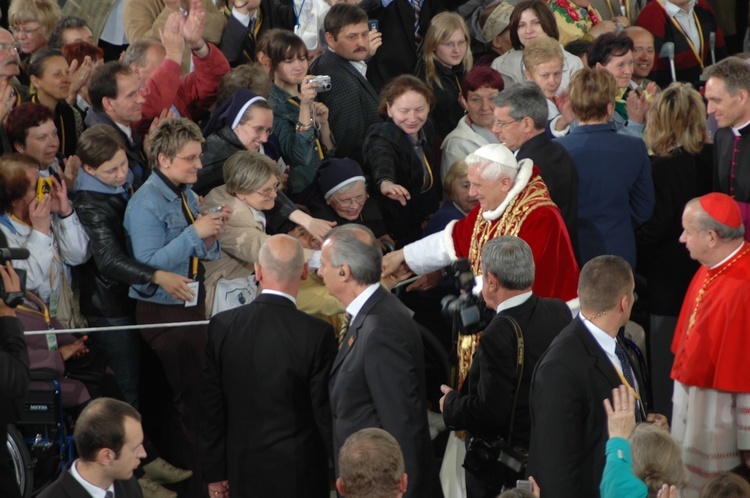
(20, 461)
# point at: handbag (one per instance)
(229, 284)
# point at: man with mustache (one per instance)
(352, 101)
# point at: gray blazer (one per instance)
(377, 380)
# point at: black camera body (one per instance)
(468, 312)
(12, 299)
(480, 453)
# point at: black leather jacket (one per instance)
(110, 272)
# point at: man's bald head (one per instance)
(282, 259)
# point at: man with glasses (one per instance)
(520, 121)
(157, 65)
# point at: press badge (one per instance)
(51, 341)
(194, 286)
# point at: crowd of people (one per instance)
(282, 169)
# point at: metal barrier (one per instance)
(118, 327)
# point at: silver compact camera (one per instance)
(322, 82)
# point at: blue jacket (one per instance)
(615, 189)
(159, 235)
(618, 480)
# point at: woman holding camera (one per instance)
(300, 123)
(37, 216)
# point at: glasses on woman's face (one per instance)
(352, 201)
(194, 159)
(451, 44)
(25, 31)
(268, 192)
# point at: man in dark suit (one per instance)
(352, 101)
(265, 414)
(109, 440)
(484, 406)
(378, 376)
(520, 124)
(578, 371)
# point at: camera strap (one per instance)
(519, 372)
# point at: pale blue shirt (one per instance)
(94, 491)
(355, 306)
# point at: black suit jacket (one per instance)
(238, 45)
(352, 102)
(265, 414)
(66, 486)
(484, 405)
(14, 380)
(568, 421)
(559, 174)
(378, 381)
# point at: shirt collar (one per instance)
(94, 491)
(279, 293)
(127, 130)
(674, 10)
(514, 301)
(605, 341)
(737, 130)
(355, 306)
(730, 256)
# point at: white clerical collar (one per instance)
(736, 130)
(673, 10)
(279, 293)
(731, 255)
(94, 491)
(356, 305)
(514, 301)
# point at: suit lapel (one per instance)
(346, 66)
(352, 335)
(601, 361)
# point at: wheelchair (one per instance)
(40, 444)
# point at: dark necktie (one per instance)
(627, 372)
(417, 6)
(109, 494)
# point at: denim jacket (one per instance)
(299, 149)
(160, 236)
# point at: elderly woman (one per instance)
(50, 77)
(615, 189)
(42, 221)
(32, 22)
(656, 456)
(478, 91)
(446, 59)
(245, 122)
(340, 195)
(166, 231)
(681, 167)
(531, 19)
(398, 155)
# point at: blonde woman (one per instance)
(681, 165)
(446, 58)
(543, 64)
(31, 22)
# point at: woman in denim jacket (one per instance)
(300, 123)
(166, 231)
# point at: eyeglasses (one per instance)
(502, 125)
(191, 159)
(263, 131)
(7, 47)
(25, 31)
(267, 192)
(452, 45)
(352, 201)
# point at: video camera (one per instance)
(12, 299)
(468, 312)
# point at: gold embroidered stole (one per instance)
(534, 196)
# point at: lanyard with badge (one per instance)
(195, 284)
